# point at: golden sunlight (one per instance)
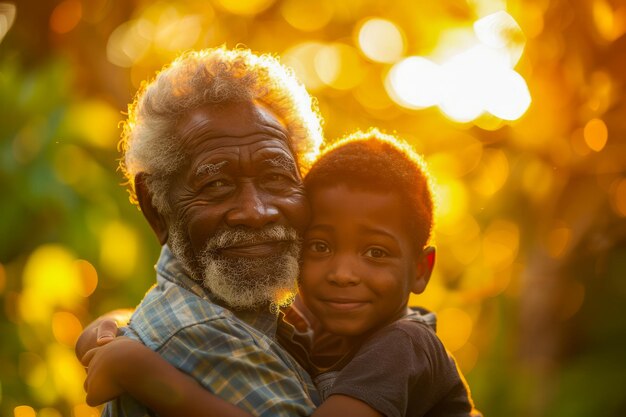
(469, 82)
(24, 411)
(119, 250)
(381, 40)
(307, 15)
(245, 7)
(596, 134)
(51, 279)
(415, 83)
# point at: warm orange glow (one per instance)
(618, 196)
(177, 33)
(24, 411)
(538, 179)
(452, 201)
(500, 244)
(48, 412)
(66, 16)
(558, 240)
(307, 15)
(245, 7)
(51, 280)
(465, 244)
(454, 327)
(64, 371)
(610, 23)
(572, 299)
(578, 143)
(129, 42)
(492, 173)
(466, 357)
(339, 66)
(119, 249)
(3, 279)
(301, 58)
(94, 121)
(32, 369)
(89, 276)
(83, 410)
(66, 328)
(596, 134)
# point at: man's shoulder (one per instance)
(168, 309)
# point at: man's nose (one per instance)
(252, 208)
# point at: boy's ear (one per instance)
(156, 220)
(424, 268)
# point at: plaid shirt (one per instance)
(234, 355)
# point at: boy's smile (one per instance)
(359, 261)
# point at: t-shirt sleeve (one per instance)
(403, 368)
(228, 362)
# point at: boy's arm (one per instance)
(127, 366)
(343, 405)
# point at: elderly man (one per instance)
(214, 149)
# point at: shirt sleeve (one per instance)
(227, 361)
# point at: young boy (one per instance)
(364, 253)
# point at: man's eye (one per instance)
(376, 253)
(217, 184)
(277, 177)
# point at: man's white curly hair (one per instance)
(217, 75)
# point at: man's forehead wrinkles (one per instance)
(205, 130)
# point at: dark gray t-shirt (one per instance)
(404, 370)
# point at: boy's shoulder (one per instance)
(415, 330)
(422, 315)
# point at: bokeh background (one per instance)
(518, 107)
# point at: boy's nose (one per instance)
(343, 276)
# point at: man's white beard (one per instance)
(244, 283)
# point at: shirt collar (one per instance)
(171, 269)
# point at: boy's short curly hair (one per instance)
(374, 161)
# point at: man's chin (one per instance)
(249, 283)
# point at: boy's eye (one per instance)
(376, 253)
(319, 247)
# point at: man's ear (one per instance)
(423, 270)
(156, 220)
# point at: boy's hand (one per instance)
(108, 368)
(101, 331)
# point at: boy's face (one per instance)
(359, 263)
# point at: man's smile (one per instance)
(254, 249)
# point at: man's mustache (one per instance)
(229, 237)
